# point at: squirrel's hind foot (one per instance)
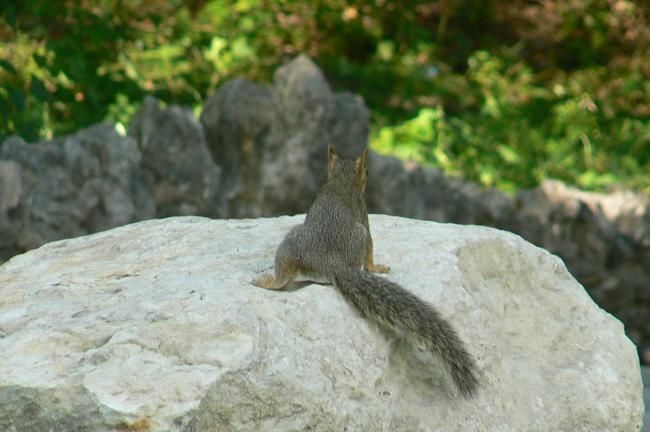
(377, 268)
(268, 281)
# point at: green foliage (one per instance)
(505, 93)
(522, 132)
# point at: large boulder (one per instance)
(155, 326)
(69, 186)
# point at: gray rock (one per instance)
(236, 121)
(155, 326)
(176, 161)
(85, 182)
(629, 211)
(293, 166)
(271, 141)
(409, 189)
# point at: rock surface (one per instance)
(155, 326)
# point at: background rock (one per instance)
(176, 161)
(408, 189)
(236, 121)
(271, 142)
(155, 325)
(85, 182)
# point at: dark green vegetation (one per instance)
(505, 92)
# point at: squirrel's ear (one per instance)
(362, 168)
(362, 159)
(331, 154)
(364, 155)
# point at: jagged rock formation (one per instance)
(85, 182)
(176, 162)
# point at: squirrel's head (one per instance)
(352, 169)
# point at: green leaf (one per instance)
(508, 154)
(4, 64)
(9, 14)
(5, 108)
(18, 98)
(40, 60)
(39, 90)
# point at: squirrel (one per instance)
(334, 244)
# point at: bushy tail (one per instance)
(403, 312)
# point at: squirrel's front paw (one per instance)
(378, 268)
